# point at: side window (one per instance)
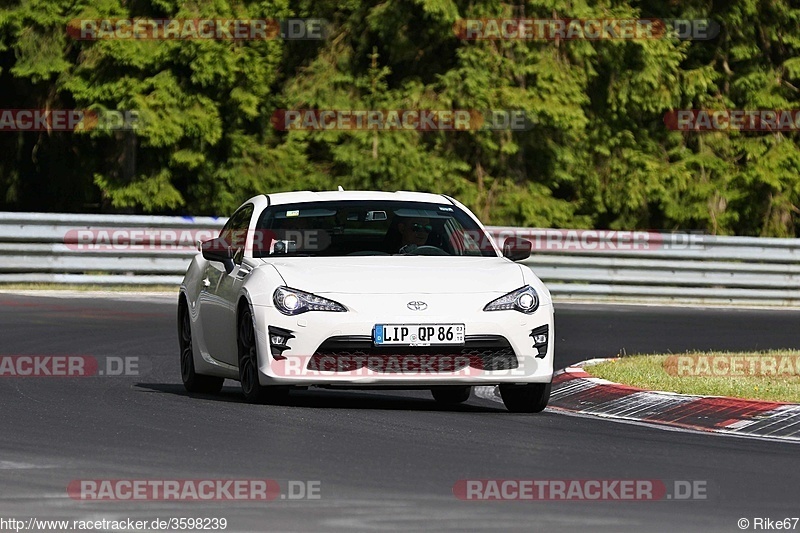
(235, 231)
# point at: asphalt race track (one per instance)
(385, 461)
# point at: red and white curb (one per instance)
(575, 391)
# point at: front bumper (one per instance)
(499, 347)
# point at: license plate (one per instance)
(418, 334)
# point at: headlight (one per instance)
(523, 300)
(293, 302)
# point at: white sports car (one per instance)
(356, 289)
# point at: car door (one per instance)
(221, 290)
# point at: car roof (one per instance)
(326, 196)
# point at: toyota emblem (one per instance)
(417, 306)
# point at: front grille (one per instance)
(350, 353)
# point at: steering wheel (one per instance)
(427, 250)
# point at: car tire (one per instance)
(254, 392)
(192, 381)
(531, 398)
(451, 395)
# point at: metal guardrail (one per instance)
(84, 249)
(584, 265)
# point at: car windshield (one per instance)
(369, 228)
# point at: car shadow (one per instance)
(336, 399)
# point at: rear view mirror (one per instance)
(376, 215)
(218, 250)
(517, 249)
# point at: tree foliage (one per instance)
(597, 154)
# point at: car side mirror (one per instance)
(219, 250)
(517, 249)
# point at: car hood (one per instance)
(399, 274)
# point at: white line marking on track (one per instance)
(15, 465)
(487, 393)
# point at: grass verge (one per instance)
(773, 375)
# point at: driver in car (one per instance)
(414, 233)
